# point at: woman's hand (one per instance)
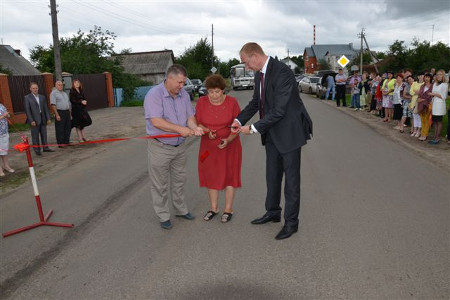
(212, 134)
(198, 131)
(84, 102)
(223, 144)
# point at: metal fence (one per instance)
(19, 87)
(94, 86)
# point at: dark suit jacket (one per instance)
(285, 119)
(33, 112)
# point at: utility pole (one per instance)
(212, 46)
(361, 35)
(371, 54)
(432, 34)
(56, 49)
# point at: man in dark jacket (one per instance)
(38, 116)
(284, 125)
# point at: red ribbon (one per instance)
(22, 146)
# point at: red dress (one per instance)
(218, 168)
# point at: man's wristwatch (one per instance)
(251, 129)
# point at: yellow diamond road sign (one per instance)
(343, 61)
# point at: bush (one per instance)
(132, 103)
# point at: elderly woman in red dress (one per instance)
(220, 154)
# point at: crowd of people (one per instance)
(70, 111)
(400, 98)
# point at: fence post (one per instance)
(109, 89)
(49, 85)
(5, 94)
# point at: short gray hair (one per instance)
(176, 69)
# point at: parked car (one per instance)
(202, 91)
(308, 84)
(299, 77)
(322, 85)
(197, 84)
(189, 87)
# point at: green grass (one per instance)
(132, 103)
(18, 127)
(14, 180)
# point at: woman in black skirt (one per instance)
(398, 100)
(80, 116)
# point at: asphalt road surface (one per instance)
(374, 224)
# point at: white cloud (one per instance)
(145, 25)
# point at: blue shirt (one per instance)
(158, 103)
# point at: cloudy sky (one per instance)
(279, 26)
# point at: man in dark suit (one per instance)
(38, 116)
(284, 125)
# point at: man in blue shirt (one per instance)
(168, 111)
(341, 81)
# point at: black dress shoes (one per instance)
(286, 232)
(48, 150)
(38, 153)
(266, 218)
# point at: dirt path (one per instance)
(107, 123)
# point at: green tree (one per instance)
(88, 53)
(300, 63)
(420, 57)
(197, 59)
(4, 70)
(324, 65)
(399, 51)
(224, 67)
(423, 56)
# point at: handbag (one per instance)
(86, 118)
(420, 106)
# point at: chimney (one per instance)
(17, 52)
(314, 34)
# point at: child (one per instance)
(356, 90)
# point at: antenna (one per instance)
(432, 34)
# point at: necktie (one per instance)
(37, 100)
(261, 97)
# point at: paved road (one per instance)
(370, 229)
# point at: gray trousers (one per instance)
(167, 165)
(36, 131)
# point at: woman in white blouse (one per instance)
(439, 94)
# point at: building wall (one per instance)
(310, 64)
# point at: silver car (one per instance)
(308, 84)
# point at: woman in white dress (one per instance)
(439, 94)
